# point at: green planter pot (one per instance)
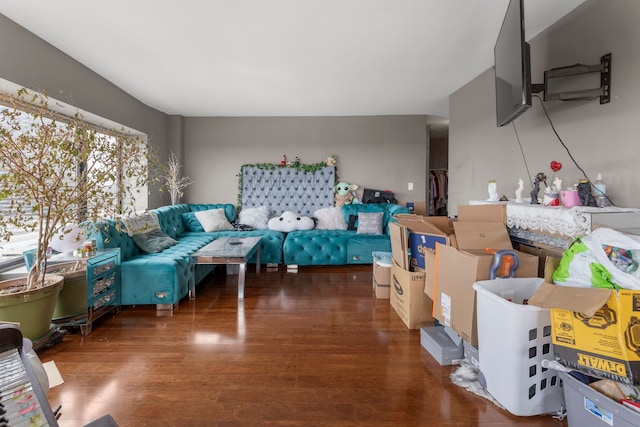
(32, 309)
(72, 300)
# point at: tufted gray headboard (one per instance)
(287, 188)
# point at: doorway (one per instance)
(438, 162)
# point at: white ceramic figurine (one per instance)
(493, 191)
(519, 190)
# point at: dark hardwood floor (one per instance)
(312, 348)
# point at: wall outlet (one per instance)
(410, 186)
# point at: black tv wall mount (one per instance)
(603, 92)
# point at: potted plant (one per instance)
(56, 171)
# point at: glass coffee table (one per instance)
(226, 250)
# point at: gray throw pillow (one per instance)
(153, 241)
(370, 222)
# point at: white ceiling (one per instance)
(282, 57)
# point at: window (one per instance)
(99, 163)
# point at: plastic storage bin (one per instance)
(588, 407)
(513, 339)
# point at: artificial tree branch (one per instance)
(173, 182)
(39, 159)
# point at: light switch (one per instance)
(410, 186)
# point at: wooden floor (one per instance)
(312, 348)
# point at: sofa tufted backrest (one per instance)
(389, 209)
(108, 235)
(229, 209)
(170, 218)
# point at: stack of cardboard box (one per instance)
(447, 257)
(479, 230)
(441, 259)
(436, 261)
(413, 240)
(381, 274)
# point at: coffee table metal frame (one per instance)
(226, 250)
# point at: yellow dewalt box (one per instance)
(596, 331)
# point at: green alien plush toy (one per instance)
(344, 193)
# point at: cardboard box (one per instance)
(399, 236)
(442, 224)
(408, 298)
(482, 235)
(430, 270)
(424, 232)
(420, 208)
(542, 251)
(381, 273)
(381, 280)
(381, 291)
(458, 269)
(483, 213)
(596, 331)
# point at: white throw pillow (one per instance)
(141, 222)
(213, 220)
(256, 218)
(330, 218)
(290, 221)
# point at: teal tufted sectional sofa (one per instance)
(163, 278)
(340, 247)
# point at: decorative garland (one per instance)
(314, 167)
(307, 168)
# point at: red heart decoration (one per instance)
(556, 166)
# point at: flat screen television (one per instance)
(512, 66)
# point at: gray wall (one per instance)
(602, 138)
(374, 152)
(389, 152)
(31, 62)
(384, 152)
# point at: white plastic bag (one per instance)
(585, 263)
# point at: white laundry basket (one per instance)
(513, 339)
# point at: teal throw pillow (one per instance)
(191, 223)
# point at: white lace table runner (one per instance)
(570, 222)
